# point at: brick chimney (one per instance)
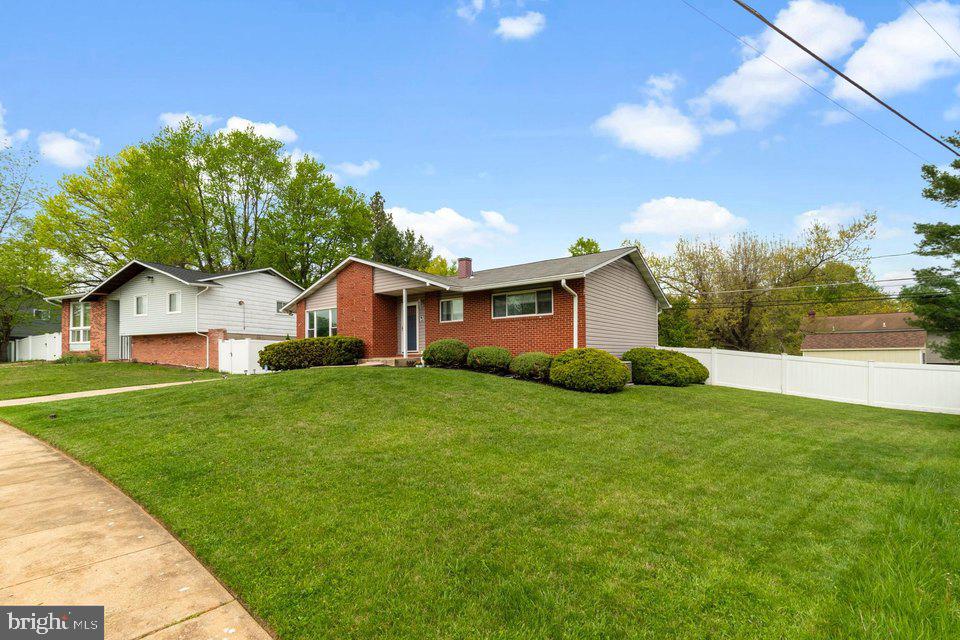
(464, 267)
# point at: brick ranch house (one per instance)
(609, 300)
(155, 313)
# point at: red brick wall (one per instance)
(355, 304)
(385, 340)
(553, 333)
(183, 349)
(98, 329)
(302, 319)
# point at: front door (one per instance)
(412, 328)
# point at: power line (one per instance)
(856, 84)
(794, 303)
(888, 255)
(805, 286)
(801, 79)
(917, 11)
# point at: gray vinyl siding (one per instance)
(387, 281)
(113, 330)
(157, 320)
(323, 298)
(621, 309)
(421, 323)
(260, 292)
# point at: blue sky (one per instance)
(506, 130)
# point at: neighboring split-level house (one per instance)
(156, 313)
(609, 300)
(881, 337)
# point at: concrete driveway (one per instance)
(67, 536)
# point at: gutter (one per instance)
(196, 319)
(576, 313)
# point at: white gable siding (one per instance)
(621, 309)
(323, 298)
(157, 320)
(384, 280)
(260, 292)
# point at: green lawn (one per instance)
(424, 503)
(45, 378)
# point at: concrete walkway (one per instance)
(97, 392)
(67, 536)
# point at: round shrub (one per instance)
(489, 359)
(534, 365)
(588, 370)
(311, 352)
(447, 353)
(665, 368)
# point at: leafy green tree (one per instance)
(18, 190)
(439, 266)
(936, 294)
(674, 327)
(584, 246)
(392, 246)
(315, 225)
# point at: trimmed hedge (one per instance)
(588, 370)
(489, 359)
(665, 368)
(71, 358)
(533, 365)
(311, 352)
(447, 353)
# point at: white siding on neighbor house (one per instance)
(157, 319)
(387, 281)
(621, 309)
(323, 298)
(903, 356)
(260, 292)
(113, 330)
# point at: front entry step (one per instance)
(398, 361)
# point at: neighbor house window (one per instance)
(140, 306)
(280, 305)
(173, 302)
(41, 314)
(451, 310)
(523, 303)
(79, 322)
(321, 322)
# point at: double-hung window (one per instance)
(173, 302)
(321, 322)
(523, 303)
(79, 322)
(451, 310)
(140, 306)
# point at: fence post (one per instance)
(713, 365)
(871, 383)
(783, 373)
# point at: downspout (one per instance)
(196, 318)
(403, 324)
(576, 313)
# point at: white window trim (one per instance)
(524, 315)
(179, 302)
(80, 328)
(146, 305)
(330, 325)
(462, 309)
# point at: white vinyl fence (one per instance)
(42, 347)
(919, 387)
(240, 355)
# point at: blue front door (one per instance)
(412, 327)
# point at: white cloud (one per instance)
(495, 220)
(174, 119)
(521, 27)
(659, 130)
(830, 216)
(675, 216)
(71, 150)
(470, 10)
(10, 138)
(776, 139)
(280, 132)
(354, 170)
(662, 86)
(835, 116)
(903, 55)
(759, 90)
(449, 231)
